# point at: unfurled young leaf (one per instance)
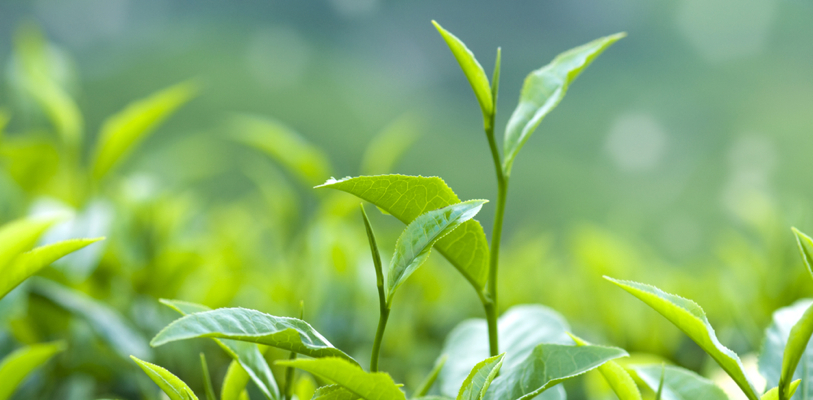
(247, 354)
(616, 376)
(805, 244)
(547, 366)
(678, 384)
(19, 236)
(543, 90)
(366, 385)
(173, 386)
(772, 360)
(430, 379)
(480, 378)
(794, 350)
(474, 73)
(250, 326)
(415, 243)
(123, 131)
(284, 145)
(15, 367)
(234, 384)
(773, 394)
(690, 318)
(406, 198)
(29, 263)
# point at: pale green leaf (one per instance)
(771, 357)
(367, 385)
(805, 244)
(29, 263)
(690, 318)
(474, 73)
(678, 383)
(20, 236)
(15, 367)
(547, 366)
(247, 354)
(121, 132)
(284, 145)
(207, 379)
(250, 326)
(520, 329)
(480, 378)
(173, 386)
(543, 90)
(773, 394)
(234, 384)
(616, 376)
(406, 198)
(430, 379)
(415, 243)
(794, 350)
(333, 392)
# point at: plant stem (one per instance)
(384, 307)
(289, 372)
(379, 336)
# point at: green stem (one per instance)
(384, 307)
(496, 238)
(379, 336)
(289, 372)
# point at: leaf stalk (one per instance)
(383, 304)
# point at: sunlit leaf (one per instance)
(480, 378)
(123, 131)
(173, 386)
(333, 392)
(547, 366)
(520, 329)
(794, 350)
(771, 357)
(773, 394)
(406, 198)
(805, 244)
(389, 146)
(617, 377)
(247, 354)
(474, 72)
(105, 321)
(368, 386)
(20, 236)
(690, 318)
(415, 243)
(679, 383)
(234, 384)
(430, 379)
(250, 326)
(284, 145)
(15, 367)
(543, 90)
(29, 263)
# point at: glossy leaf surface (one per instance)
(679, 383)
(617, 377)
(543, 90)
(773, 394)
(173, 386)
(805, 244)
(690, 318)
(333, 392)
(250, 326)
(407, 197)
(234, 383)
(15, 367)
(771, 357)
(794, 350)
(19, 236)
(480, 378)
(368, 386)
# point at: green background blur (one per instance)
(679, 158)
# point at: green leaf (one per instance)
(547, 366)
(480, 378)
(105, 321)
(333, 392)
(207, 379)
(173, 386)
(520, 329)
(474, 73)
(430, 379)
(690, 318)
(247, 354)
(678, 383)
(771, 357)
(794, 350)
(406, 198)
(773, 394)
(284, 145)
(234, 384)
(17, 365)
(415, 243)
(27, 264)
(19, 236)
(805, 244)
(250, 326)
(543, 90)
(121, 132)
(368, 386)
(616, 376)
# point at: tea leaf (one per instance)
(795, 348)
(473, 71)
(543, 90)
(415, 243)
(406, 198)
(480, 377)
(121, 132)
(771, 360)
(547, 366)
(430, 379)
(173, 386)
(234, 384)
(619, 380)
(247, 354)
(773, 394)
(29, 263)
(15, 367)
(368, 386)
(250, 326)
(690, 318)
(207, 379)
(333, 392)
(19, 236)
(805, 244)
(521, 328)
(678, 383)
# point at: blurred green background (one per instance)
(679, 158)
